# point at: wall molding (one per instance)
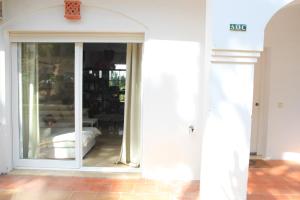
(230, 56)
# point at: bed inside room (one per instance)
(103, 98)
(48, 111)
(110, 129)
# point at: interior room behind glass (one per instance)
(104, 80)
(47, 99)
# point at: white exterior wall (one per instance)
(283, 44)
(172, 71)
(226, 140)
(255, 13)
(174, 79)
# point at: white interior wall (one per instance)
(283, 44)
(173, 81)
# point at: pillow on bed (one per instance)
(93, 130)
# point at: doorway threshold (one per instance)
(85, 172)
(111, 169)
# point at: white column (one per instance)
(226, 140)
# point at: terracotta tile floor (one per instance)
(15, 187)
(275, 180)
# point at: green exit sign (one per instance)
(238, 27)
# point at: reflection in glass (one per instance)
(47, 101)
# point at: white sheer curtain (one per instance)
(131, 145)
(30, 100)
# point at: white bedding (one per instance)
(62, 144)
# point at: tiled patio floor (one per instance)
(71, 188)
(276, 181)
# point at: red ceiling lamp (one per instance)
(72, 9)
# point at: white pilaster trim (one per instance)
(230, 56)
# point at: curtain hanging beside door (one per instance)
(131, 144)
(30, 99)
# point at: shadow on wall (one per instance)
(171, 103)
(226, 141)
(2, 87)
(168, 148)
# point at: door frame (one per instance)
(78, 39)
(261, 95)
(42, 163)
(256, 108)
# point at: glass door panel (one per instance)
(46, 101)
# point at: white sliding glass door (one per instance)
(47, 103)
(47, 119)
